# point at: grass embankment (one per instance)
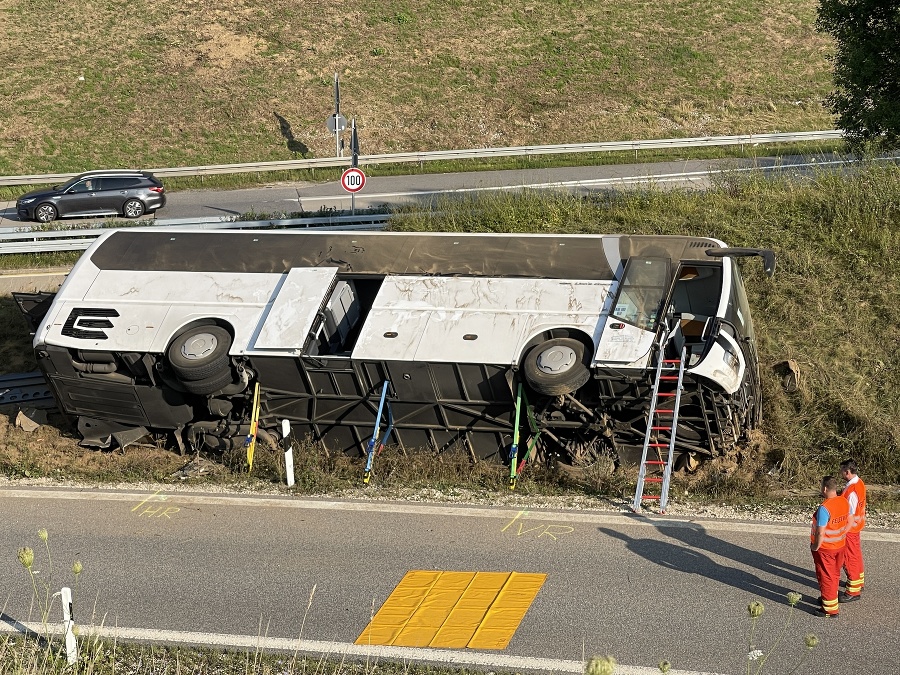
(832, 307)
(106, 657)
(222, 82)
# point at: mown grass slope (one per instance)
(105, 83)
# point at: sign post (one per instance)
(353, 180)
(354, 144)
(337, 123)
(354, 162)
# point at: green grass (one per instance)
(224, 82)
(107, 657)
(832, 307)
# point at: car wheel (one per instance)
(200, 353)
(45, 213)
(556, 367)
(133, 208)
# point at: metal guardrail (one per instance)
(474, 153)
(33, 240)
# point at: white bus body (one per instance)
(167, 331)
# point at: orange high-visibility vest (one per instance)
(859, 489)
(836, 530)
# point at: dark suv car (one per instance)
(96, 193)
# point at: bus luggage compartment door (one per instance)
(287, 322)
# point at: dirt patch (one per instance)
(224, 48)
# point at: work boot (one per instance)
(846, 597)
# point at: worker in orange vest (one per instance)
(855, 494)
(827, 541)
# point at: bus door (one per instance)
(630, 326)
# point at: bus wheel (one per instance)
(556, 367)
(200, 353)
(208, 385)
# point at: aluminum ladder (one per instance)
(384, 408)
(666, 370)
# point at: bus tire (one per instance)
(556, 367)
(208, 385)
(200, 353)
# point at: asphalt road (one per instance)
(425, 189)
(642, 589)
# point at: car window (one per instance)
(119, 182)
(88, 185)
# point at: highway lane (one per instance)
(424, 189)
(640, 589)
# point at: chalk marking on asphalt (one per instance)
(147, 500)
(518, 515)
(320, 648)
(543, 527)
(474, 511)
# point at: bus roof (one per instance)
(554, 256)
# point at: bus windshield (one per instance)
(644, 286)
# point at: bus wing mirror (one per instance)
(767, 254)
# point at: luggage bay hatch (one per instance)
(288, 321)
(473, 319)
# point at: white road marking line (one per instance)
(447, 657)
(589, 517)
(688, 176)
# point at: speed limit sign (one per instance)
(353, 179)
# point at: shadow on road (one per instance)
(17, 626)
(230, 212)
(687, 558)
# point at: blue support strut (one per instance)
(373, 442)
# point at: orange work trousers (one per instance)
(829, 562)
(853, 564)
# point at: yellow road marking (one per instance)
(479, 610)
(158, 511)
(146, 500)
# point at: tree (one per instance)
(866, 100)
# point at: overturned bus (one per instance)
(170, 332)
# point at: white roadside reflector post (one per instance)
(65, 597)
(288, 451)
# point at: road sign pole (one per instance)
(337, 112)
(353, 180)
